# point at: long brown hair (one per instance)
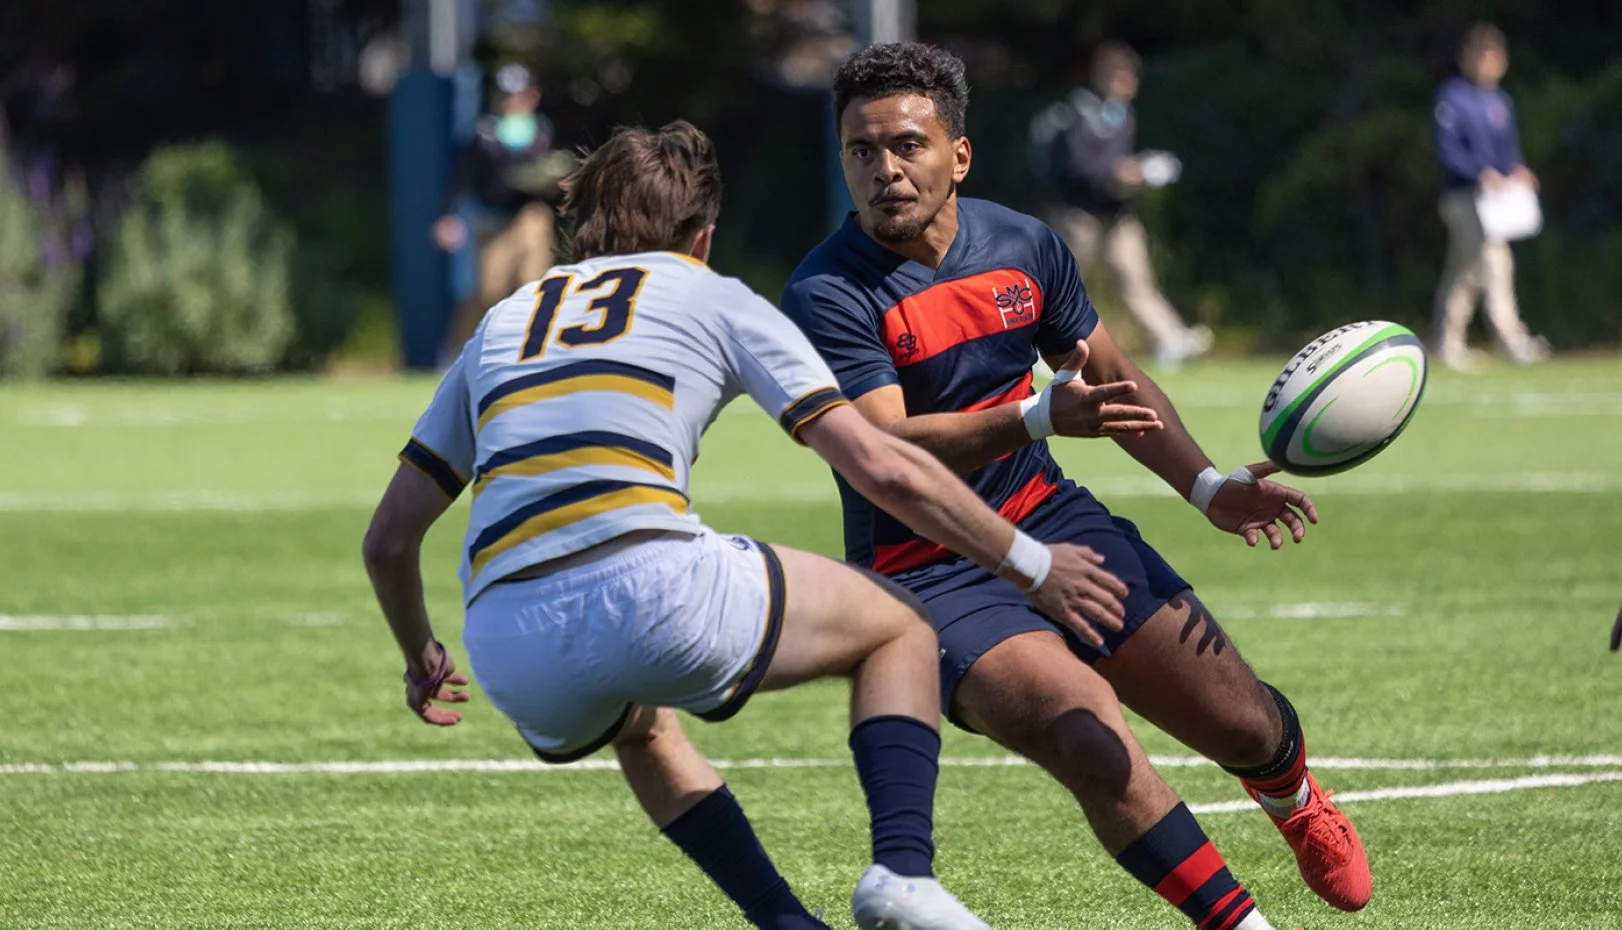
(643, 191)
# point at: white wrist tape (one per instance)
(1210, 481)
(1037, 410)
(1029, 558)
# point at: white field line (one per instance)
(1445, 790)
(319, 618)
(1441, 790)
(91, 623)
(74, 416)
(412, 766)
(1578, 398)
(1313, 610)
(180, 501)
(717, 491)
(15, 623)
(86, 623)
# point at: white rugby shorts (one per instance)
(681, 621)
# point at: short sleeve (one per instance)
(1067, 312)
(776, 365)
(441, 444)
(845, 332)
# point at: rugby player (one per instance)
(598, 602)
(932, 310)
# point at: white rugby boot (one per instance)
(887, 901)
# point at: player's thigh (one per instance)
(835, 616)
(1032, 694)
(1184, 674)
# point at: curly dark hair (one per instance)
(905, 68)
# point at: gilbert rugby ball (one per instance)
(1343, 398)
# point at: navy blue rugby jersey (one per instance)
(962, 337)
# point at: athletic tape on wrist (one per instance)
(1209, 481)
(1029, 558)
(1037, 410)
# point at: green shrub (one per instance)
(36, 292)
(199, 271)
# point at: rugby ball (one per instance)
(1343, 398)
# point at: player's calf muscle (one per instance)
(1183, 673)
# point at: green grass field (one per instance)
(204, 728)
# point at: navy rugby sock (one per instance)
(717, 836)
(898, 760)
(1177, 860)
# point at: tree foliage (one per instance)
(199, 275)
(39, 280)
(1310, 191)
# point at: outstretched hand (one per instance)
(1089, 411)
(1080, 593)
(420, 692)
(1256, 508)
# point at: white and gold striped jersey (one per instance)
(575, 410)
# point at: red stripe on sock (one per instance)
(1287, 783)
(1217, 913)
(1190, 874)
(1241, 908)
(1240, 912)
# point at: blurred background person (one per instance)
(504, 179)
(1479, 148)
(1086, 151)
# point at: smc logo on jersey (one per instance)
(1016, 303)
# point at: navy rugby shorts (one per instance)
(973, 610)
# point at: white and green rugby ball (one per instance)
(1343, 398)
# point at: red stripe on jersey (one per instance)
(888, 560)
(1190, 874)
(1013, 395)
(943, 316)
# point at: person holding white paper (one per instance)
(1489, 197)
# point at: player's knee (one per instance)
(1249, 729)
(906, 600)
(1088, 755)
(917, 634)
(1255, 735)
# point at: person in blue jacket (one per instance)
(1479, 149)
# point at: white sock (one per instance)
(1253, 921)
(1284, 807)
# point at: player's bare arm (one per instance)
(965, 441)
(1246, 503)
(392, 551)
(1073, 589)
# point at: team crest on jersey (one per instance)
(906, 346)
(1016, 303)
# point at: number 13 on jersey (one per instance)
(613, 308)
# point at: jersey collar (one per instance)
(857, 238)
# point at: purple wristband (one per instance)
(432, 682)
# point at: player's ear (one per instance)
(962, 154)
(699, 248)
